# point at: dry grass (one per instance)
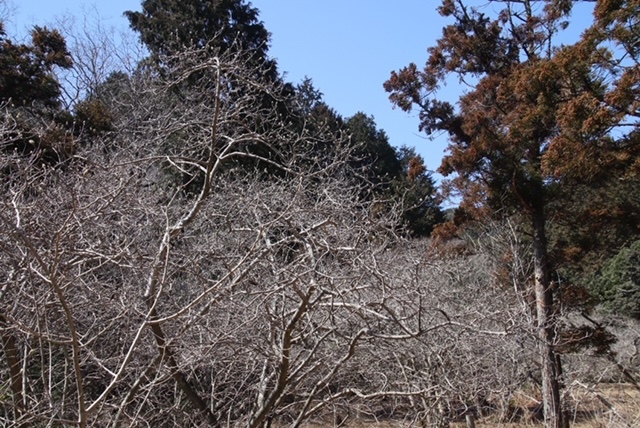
(602, 406)
(606, 405)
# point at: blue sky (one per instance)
(347, 47)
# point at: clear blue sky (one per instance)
(347, 47)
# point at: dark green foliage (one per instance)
(225, 29)
(168, 27)
(232, 27)
(94, 116)
(421, 210)
(307, 97)
(590, 223)
(27, 71)
(373, 154)
(617, 285)
(311, 110)
(30, 95)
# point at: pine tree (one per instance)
(501, 132)
(168, 27)
(30, 96)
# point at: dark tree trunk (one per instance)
(181, 379)
(546, 324)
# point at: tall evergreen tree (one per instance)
(27, 71)
(230, 29)
(373, 152)
(168, 27)
(417, 189)
(501, 133)
(30, 95)
(399, 174)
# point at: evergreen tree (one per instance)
(168, 27)
(27, 72)
(417, 189)
(501, 133)
(399, 175)
(30, 96)
(617, 285)
(374, 155)
(173, 30)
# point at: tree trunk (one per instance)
(470, 421)
(546, 324)
(166, 354)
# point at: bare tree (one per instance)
(98, 51)
(205, 263)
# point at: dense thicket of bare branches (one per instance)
(211, 261)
